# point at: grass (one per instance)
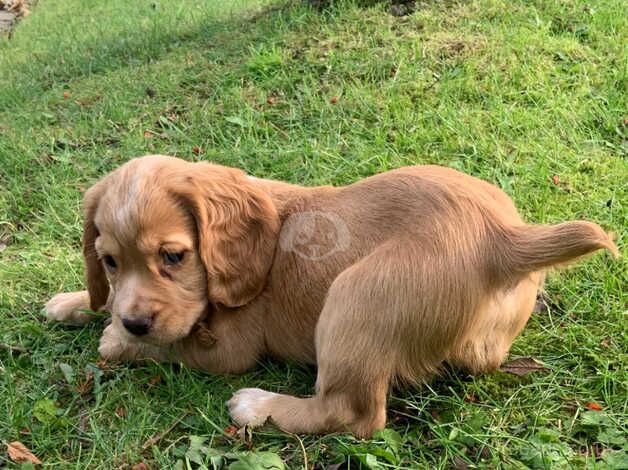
(513, 92)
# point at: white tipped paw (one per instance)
(66, 308)
(250, 405)
(116, 346)
(112, 346)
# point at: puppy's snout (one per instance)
(139, 326)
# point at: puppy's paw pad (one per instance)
(250, 404)
(66, 308)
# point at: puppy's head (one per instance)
(165, 239)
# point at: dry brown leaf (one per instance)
(15, 6)
(523, 366)
(85, 386)
(593, 406)
(231, 430)
(245, 433)
(154, 380)
(19, 453)
(470, 398)
(459, 463)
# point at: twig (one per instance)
(158, 437)
(19, 349)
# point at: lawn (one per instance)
(530, 95)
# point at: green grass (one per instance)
(513, 92)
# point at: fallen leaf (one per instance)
(606, 342)
(148, 134)
(555, 180)
(102, 364)
(485, 453)
(593, 406)
(197, 150)
(460, 463)
(246, 432)
(19, 453)
(83, 425)
(334, 100)
(16, 6)
(121, 412)
(523, 366)
(86, 385)
(470, 398)
(154, 380)
(231, 430)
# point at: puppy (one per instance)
(383, 280)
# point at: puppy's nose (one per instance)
(138, 326)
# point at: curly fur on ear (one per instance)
(97, 284)
(237, 227)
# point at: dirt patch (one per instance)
(10, 11)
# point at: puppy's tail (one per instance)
(529, 248)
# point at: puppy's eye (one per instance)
(110, 262)
(171, 258)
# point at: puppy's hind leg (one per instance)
(361, 343)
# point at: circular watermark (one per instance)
(314, 235)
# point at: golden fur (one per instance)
(380, 281)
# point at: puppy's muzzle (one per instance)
(138, 326)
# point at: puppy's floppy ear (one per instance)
(237, 227)
(97, 284)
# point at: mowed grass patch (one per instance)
(513, 92)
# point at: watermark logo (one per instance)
(314, 235)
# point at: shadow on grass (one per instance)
(222, 40)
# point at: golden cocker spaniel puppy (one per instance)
(385, 279)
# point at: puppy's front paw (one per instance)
(113, 347)
(250, 404)
(66, 308)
